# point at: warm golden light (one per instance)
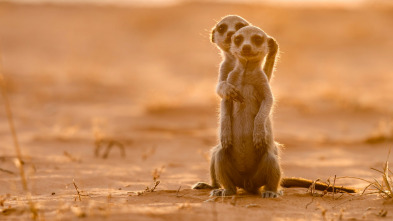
(116, 110)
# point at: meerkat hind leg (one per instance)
(225, 173)
(223, 192)
(270, 194)
(268, 174)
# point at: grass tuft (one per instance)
(384, 187)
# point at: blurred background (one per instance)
(145, 72)
(95, 57)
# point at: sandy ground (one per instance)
(146, 77)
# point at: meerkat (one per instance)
(252, 162)
(221, 36)
(245, 165)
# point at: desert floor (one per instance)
(146, 76)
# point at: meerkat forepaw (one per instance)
(222, 192)
(270, 194)
(230, 92)
(236, 96)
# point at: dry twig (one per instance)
(6, 171)
(108, 143)
(72, 158)
(77, 190)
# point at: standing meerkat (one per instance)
(252, 162)
(221, 36)
(246, 165)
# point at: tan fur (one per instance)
(252, 162)
(227, 91)
(222, 36)
(245, 167)
(250, 54)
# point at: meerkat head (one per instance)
(223, 31)
(249, 43)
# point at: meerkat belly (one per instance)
(243, 116)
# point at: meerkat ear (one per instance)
(212, 35)
(273, 45)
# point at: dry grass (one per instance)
(78, 192)
(383, 187)
(19, 164)
(108, 143)
(156, 175)
(101, 140)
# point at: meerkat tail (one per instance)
(202, 186)
(304, 183)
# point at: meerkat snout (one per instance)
(224, 30)
(229, 37)
(249, 43)
(246, 49)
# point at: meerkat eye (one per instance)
(258, 40)
(222, 28)
(238, 40)
(239, 26)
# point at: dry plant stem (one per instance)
(110, 143)
(6, 171)
(77, 190)
(113, 143)
(7, 106)
(312, 200)
(69, 156)
(177, 193)
(155, 186)
(312, 187)
(384, 188)
(334, 184)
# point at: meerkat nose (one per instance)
(230, 33)
(246, 48)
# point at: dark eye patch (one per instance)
(257, 40)
(222, 28)
(238, 40)
(239, 26)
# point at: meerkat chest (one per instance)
(250, 88)
(248, 109)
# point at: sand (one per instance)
(146, 76)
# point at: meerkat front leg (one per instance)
(268, 175)
(262, 133)
(230, 94)
(226, 173)
(226, 123)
